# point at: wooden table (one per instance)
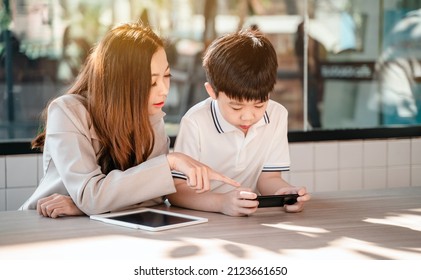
(376, 224)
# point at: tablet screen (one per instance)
(149, 219)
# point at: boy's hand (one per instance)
(199, 175)
(239, 202)
(303, 197)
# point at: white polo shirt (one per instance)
(207, 137)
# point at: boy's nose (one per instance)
(247, 116)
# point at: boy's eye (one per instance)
(236, 108)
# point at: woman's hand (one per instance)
(199, 175)
(57, 205)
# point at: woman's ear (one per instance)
(210, 90)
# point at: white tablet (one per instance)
(149, 219)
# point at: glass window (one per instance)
(342, 64)
(369, 71)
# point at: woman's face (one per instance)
(160, 82)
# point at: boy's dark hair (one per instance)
(243, 65)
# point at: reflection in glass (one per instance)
(362, 67)
(397, 92)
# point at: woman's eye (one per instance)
(168, 76)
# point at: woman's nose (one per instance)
(164, 88)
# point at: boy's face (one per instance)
(241, 114)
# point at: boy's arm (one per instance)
(187, 197)
(238, 202)
(270, 182)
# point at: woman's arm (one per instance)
(70, 141)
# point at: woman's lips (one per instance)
(160, 104)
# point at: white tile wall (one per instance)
(302, 156)
(374, 178)
(18, 179)
(416, 175)
(351, 179)
(398, 176)
(2, 199)
(302, 179)
(319, 166)
(399, 152)
(326, 180)
(356, 164)
(2, 172)
(15, 197)
(351, 154)
(326, 155)
(21, 171)
(374, 152)
(416, 162)
(416, 151)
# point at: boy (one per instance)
(238, 131)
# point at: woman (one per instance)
(104, 144)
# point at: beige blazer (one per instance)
(71, 168)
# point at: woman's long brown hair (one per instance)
(115, 84)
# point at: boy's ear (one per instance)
(210, 90)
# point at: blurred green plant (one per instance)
(5, 17)
(5, 20)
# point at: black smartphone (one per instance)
(276, 200)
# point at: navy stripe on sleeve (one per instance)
(178, 175)
(275, 168)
